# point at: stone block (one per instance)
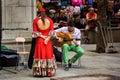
(11, 2)
(18, 14)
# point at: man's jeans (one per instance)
(66, 48)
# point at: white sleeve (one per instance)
(79, 37)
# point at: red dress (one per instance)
(44, 62)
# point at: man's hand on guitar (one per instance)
(75, 42)
(60, 39)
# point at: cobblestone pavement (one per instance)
(92, 63)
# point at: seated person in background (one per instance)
(74, 45)
(62, 19)
(91, 20)
(52, 15)
(69, 11)
(117, 8)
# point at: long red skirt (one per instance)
(44, 62)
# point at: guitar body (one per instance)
(63, 36)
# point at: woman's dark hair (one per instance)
(71, 23)
(43, 15)
(38, 14)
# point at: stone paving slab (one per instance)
(89, 77)
(92, 63)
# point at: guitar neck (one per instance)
(66, 39)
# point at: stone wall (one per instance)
(92, 35)
(17, 14)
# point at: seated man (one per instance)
(91, 20)
(74, 45)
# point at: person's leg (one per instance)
(79, 52)
(86, 31)
(86, 39)
(96, 29)
(65, 50)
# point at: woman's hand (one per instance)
(35, 34)
(46, 40)
(42, 36)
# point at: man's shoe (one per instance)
(69, 63)
(66, 68)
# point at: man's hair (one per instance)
(71, 23)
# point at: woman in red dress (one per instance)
(44, 63)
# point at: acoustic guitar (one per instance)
(67, 39)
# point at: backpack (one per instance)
(77, 2)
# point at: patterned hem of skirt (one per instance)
(44, 67)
